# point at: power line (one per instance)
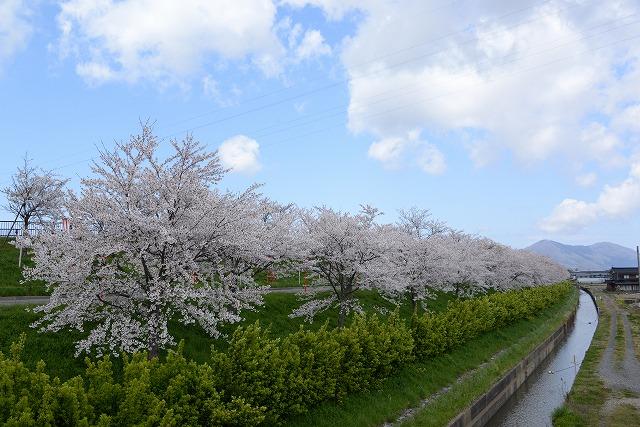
(341, 108)
(347, 80)
(305, 120)
(374, 59)
(421, 101)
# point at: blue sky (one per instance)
(515, 120)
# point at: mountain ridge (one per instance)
(597, 256)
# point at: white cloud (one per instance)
(431, 160)
(629, 118)
(312, 46)
(210, 86)
(530, 84)
(240, 154)
(165, 40)
(587, 179)
(388, 150)
(481, 152)
(396, 152)
(15, 28)
(614, 201)
(570, 215)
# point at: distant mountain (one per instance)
(599, 256)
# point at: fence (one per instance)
(17, 228)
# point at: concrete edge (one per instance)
(593, 298)
(483, 408)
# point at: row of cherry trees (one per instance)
(154, 239)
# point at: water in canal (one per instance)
(535, 401)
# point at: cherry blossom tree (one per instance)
(346, 252)
(35, 196)
(152, 240)
(418, 257)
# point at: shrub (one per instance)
(438, 333)
(288, 376)
(258, 379)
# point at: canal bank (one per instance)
(521, 338)
(546, 388)
(506, 403)
(606, 390)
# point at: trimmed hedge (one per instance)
(258, 379)
(463, 320)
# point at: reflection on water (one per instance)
(545, 390)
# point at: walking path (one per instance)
(623, 378)
(627, 376)
(19, 300)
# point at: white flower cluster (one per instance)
(153, 241)
(411, 259)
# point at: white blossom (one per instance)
(152, 241)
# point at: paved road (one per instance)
(45, 299)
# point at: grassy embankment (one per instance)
(57, 349)
(585, 402)
(411, 384)
(422, 379)
(406, 389)
(10, 275)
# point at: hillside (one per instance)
(599, 256)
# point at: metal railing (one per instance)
(11, 229)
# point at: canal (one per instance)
(545, 390)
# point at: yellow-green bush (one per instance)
(258, 379)
(437, 333)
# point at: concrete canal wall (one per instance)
(482, 409)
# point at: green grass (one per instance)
(57, 349)
(418, 380)
(624, 415)
(280, 281)
(10, 274)
(620, 339)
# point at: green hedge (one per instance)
(463, 320)
(258, 379)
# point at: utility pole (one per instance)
(638, 256)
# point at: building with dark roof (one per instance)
(623, 279)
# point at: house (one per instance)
(623, 279)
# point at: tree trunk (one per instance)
(153, 340)
(342, 316)
(414, 302)
(153, 351)
(25, 231)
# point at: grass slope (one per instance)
(57, 349)
(10, 275)
(418, 380)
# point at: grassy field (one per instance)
(406, 389)
(10, 275)
(419, 380)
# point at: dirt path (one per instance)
(21, 300)
(627, 376)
